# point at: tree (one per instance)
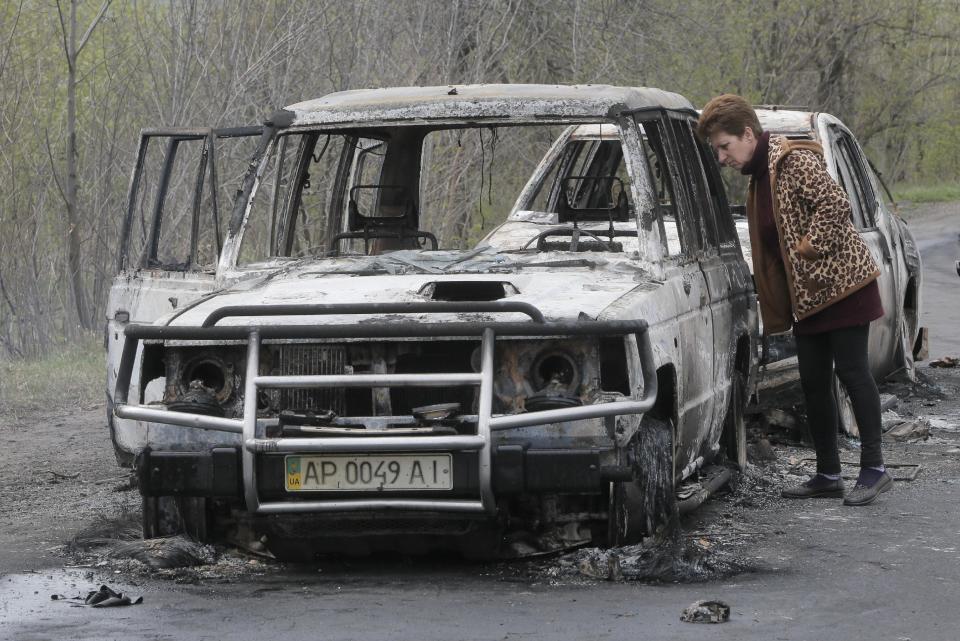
(69, 192)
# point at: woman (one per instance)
(813, 273)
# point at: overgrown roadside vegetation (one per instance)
(71, 375)
(890, 69)
(932, 193)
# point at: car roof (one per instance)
(482, 101)
(788, 122)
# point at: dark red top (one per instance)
(859, 308)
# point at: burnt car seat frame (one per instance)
(402, 227)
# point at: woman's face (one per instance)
(734, 151)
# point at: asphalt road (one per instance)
(824, 572)
(937, 232)
(814, 570)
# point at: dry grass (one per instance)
(70, 375)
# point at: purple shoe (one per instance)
(865, 493)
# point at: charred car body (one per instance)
(337, 380)
(896, 339)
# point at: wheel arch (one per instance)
(666, 407)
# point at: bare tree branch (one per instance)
(53, 167)
(8, 46)
(93, 25)
(63, 35)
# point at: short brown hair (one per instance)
(729, 113)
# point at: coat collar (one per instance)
(781, 147)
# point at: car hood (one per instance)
(560, 287)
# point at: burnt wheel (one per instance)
(168, 516)
(734, 425)
(905, 352)
(646, 506)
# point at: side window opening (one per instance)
(178, 203)
(703, 206)
(869, 198)
(682, 189)
(165, 212)
(231, 151)
(590, 174)
(178, 220)
(548, 188)
(139, 223)
(665, 213)
(605, 178)
(366, 186)
(726, 230)
(849, 181)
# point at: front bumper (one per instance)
(217, 473)
(519, 469)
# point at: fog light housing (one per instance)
(556, 378)
(197, 400)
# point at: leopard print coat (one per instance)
(825, 258)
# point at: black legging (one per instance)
(817, 355)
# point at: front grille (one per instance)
(305, 360)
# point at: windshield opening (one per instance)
(365, 192)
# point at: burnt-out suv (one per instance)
(335, 367)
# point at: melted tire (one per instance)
(905, 351)
(170, 516)
(646, 506)
(734, 425)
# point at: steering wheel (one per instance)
(547, 232)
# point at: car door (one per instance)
(724, 271)
(853, 177)
(173, 232)
(683, 245)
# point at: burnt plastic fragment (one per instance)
(706, 612)
(108, 598)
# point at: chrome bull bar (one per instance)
(481, 443)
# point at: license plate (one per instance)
(358, 472)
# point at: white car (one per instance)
(896, 339)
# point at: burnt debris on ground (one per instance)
(116, 543)
(706, 612)
(678, 558)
